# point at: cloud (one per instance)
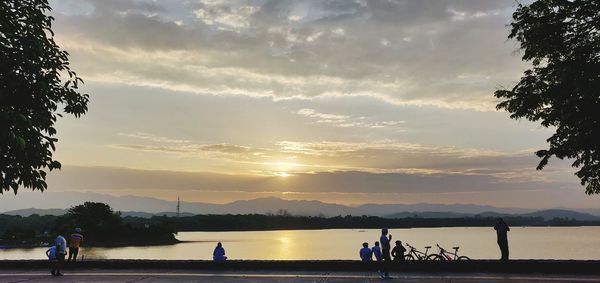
(314, 114)
(375, 157)
(401, 52)
(115, 179)
(346, 121)
(226, 17)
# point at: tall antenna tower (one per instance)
(178, 206)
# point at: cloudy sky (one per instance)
(335, 100)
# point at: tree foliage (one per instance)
(35, 80)
(561, 38)
(97, 219)
(102, 226)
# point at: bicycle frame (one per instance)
(448, 255)
(418, 254)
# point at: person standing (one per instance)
(385, 240)
(74, 243)
(502, 233)
(365, 253)
(61, 247)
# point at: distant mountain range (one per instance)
(57, 212)
(547, 214)
(55, 203)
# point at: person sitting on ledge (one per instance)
(377, 251)
(398, 251)
(365, 253)
(219, 253)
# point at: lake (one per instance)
(477, 243)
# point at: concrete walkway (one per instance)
(268, 276)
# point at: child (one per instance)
(51, 254)
(365, 253)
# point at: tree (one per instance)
(98, 220)
(561, 38)
(35, 79)
(103, 226)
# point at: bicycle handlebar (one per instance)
(441, 249)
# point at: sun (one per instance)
(282, 174)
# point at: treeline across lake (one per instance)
(100, 224)
(258, 222)
(103, 227)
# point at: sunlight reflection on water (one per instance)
(478, 243)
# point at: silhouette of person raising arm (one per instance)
(502, 233)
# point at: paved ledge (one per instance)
(280, 276)
(476, 266)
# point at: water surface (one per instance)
(477, 243)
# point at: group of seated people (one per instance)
(367, 254)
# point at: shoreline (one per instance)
(379, 228)
(101, 245)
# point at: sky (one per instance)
(335, 100)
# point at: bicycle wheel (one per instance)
(435, 257)
(409, 258)
(462, 257)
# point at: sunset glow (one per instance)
(357, 102)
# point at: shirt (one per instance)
(75, 240)
(377, 252)
(51, 253)
(385, 242)
(398, 252)
(365, 254)
(61, 244)
(501, 231)
(219, 253)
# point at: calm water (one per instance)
(478, 243)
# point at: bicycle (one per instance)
(444, 255)
(415, 254)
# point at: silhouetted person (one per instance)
(398, 251)
(385, 250)
(219, 253)
(75, 241)
(376, 250)
(502, 232)
(385, 240)
(61, 250)
(51, 254)
(365, 253)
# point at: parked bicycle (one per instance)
(445, 255)
(414, 254)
